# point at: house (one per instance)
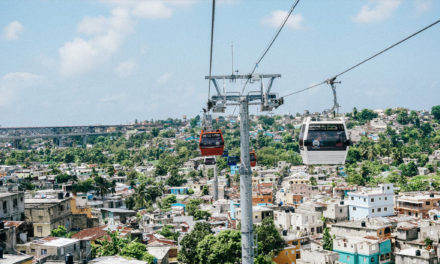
(258, 213)
(417, 256)
(337, 211)
(417, 204)
(357, 250)
(116, 214)
(369, 203)
(12, 206)
(317, 256)
(48, 213)
(360, 228)
(56, 248)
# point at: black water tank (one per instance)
(69, 259)
(284, 232)
(418, 253)
(1, 253)
(67, 195)
(60, 196)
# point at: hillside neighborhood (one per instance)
(146, 195)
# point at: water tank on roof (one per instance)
(69, 259)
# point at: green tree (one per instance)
(327, 240)
(435, 111)
(225, 247)
(313, 181)
(269, 239)
(187, 253)
(60, 231)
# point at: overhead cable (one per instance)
(362, 62)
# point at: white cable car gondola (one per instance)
(323, 142)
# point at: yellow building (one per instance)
(291, 252)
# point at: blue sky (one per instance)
(113, 61)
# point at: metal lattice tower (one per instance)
(267, 102)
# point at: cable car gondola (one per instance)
(323, 142)
(253, 158)
(211, 143)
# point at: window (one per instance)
(43, 252)
(365, 259)
(372, 199)
(340, 210)
(372, 210)
(298, 255)
(348, 257)
(385, 209)
(379, 209)
(39, 229)
(372, 259)
(386, 198)
(365, 199)
(15, 203)
(62, 251)
(428, 203)
(388, 187)
(352, 198)
(354, 208)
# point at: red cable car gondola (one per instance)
(253, 158)
(211, 143)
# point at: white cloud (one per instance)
(376, 10)
(125, 68)
(164, 78)
(13, 30)
(105, 37)
(277, 17)
(152, 10)
(422, 5)
(12, 83)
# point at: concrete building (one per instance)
(415, 256)
(56, 248)
(337, 211)
(417, 204)
(370, 203)
(48, 213)
(317, 256)
(258, 213)
(362, 228)
(357, 250)
(12, 206)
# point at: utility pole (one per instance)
(267, 102)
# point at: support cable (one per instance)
(210, 55)
(269, 46)
(364, 61)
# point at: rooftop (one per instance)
(116, 260)
(15, 259)
(55, 241)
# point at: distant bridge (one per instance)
(59, 133)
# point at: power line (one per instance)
(364, 61)
(269, 46)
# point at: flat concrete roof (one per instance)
(14, 259)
